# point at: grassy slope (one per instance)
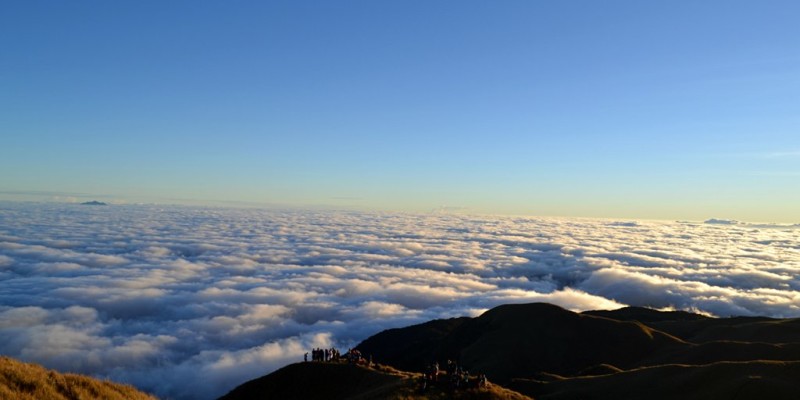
(410, 348)
(722, 380)
(700, 329)
(330, 381)
(521, 340)
(630, 353)
(23, 381)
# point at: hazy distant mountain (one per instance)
(546, 352)
(716, 221)
(94, 203)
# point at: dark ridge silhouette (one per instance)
(601, 369)
(410, 348)
(547, 352)
(750, 380)
(698, 329)
(518, 340)
(337, 381)
(646, 315)
(316, 380)
(524, 339)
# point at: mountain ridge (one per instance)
(543, 351)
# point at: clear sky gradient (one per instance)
(629, 109)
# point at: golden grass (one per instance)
(25, 381)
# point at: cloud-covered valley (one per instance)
(190, 302)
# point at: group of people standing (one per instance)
(352, 356)
(323, 355)
(456, 377)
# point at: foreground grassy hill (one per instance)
(334, 381)
(23, 381)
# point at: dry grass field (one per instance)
(23, 381)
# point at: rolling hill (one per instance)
(546, 352)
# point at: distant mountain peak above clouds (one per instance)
(715, 221)
(94, 203)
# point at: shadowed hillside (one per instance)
(318, 381)
(723, 380)
(698, 329)
(547, 352)
(523, 339)
(410, 348)
(332, 381)
(23, 381)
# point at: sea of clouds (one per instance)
(187, 303)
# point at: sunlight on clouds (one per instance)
(134, 293)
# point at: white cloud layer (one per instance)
(188, 303)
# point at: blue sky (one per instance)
(630, 109)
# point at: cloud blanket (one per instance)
(187, 303)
